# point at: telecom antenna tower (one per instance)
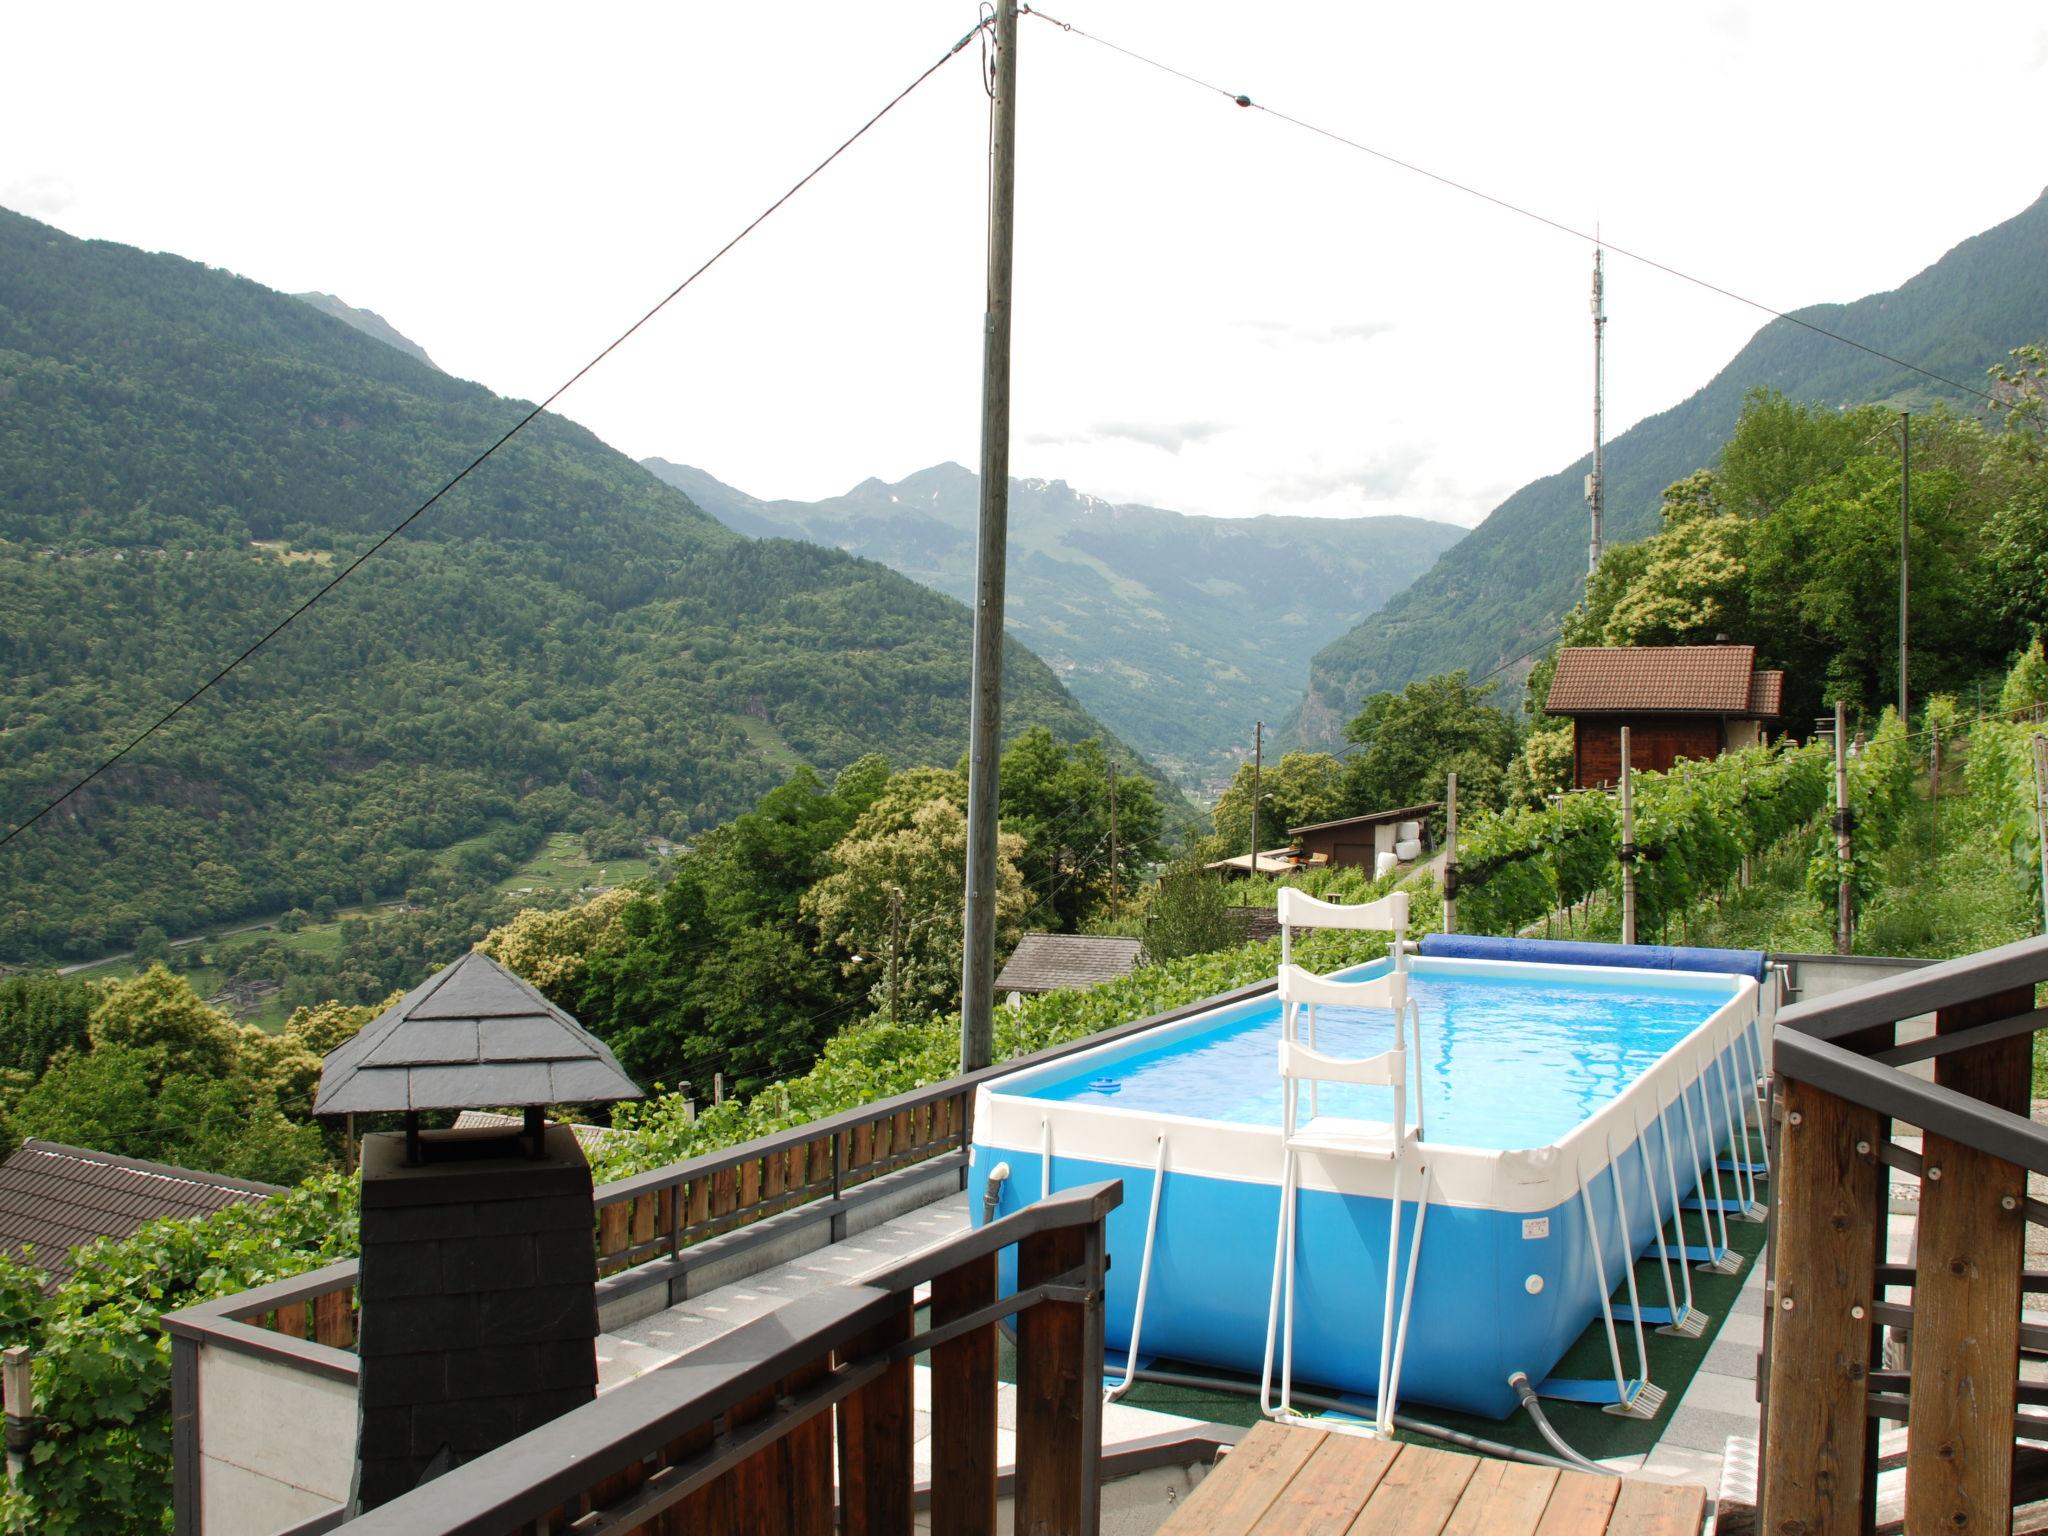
(1596, 482)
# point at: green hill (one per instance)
(562, 643)
(1179, 631)
(1503, 589)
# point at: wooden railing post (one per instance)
(877, 1438)
(964, 1405)
(1059, 1388)
(1829, 1202)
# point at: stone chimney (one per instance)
(479, 1318)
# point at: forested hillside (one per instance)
(562, 642)
(1504, 589)
(1177, 631)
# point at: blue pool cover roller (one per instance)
(1646, 957)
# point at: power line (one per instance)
(618, 341)
(1242, 100)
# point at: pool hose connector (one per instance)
(994, 1192)
(1520, 1382)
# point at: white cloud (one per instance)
(40, 195)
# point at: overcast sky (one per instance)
(1215, 312)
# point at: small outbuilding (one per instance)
(1356, 842)
(1694, 701)
(1060, 962)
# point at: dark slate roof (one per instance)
(472, 1036)
(1652, 679)
(1260, 923)
(1376, 818)
(54, 1197)
(1053, 962)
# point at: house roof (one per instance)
(1767, 695)
(588, 1137)
(1272, 861)
(1653, 679)
(1054, 962)
(1260, 923)
(1372, 819)
(54, 1197)
(472, 1036)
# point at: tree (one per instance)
(927, 863)
(1415, 738)
(41, 1016)
(551, 947)
(1189, 914)
(1057, 799)
(1302, 787)
(158, 1015)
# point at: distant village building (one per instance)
(1058, 962)
(1272, 861)
(54, 1197)
(1694, 701)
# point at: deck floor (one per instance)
(1308, 1482)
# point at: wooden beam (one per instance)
(1829, 1205)
(877, 1437)
(1231, 1499)
(1331, 1488)
(1050, 1388)
(1966, 1320)
(964, 1404)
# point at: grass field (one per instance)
(560, 868)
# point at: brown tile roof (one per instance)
(1652, 679)
(1767, 695)
(1053, 962)
(1260, 923)
(589, 1137)
(56, 1197)
(1376, 818)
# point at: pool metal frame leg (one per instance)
(1723, 1260)
(1111, 1393)
(1632, 1398)
(1678, 1219)
(1671, 1320)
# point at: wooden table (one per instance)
(1290, 1480)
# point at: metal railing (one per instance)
(769, 1427)
(1846, 1103)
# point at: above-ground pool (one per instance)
(1553, 1096)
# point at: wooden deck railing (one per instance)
(1842, 1095)
(774, 1426)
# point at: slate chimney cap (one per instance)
(472, 1036)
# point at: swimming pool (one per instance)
(1567, 1109)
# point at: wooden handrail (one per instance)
(740, 1419)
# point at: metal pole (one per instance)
(1451, 855)
(1258, 765)
(1596, 482)
(2041, 818)
(1628, 846)
(1843, 892)
(1905, 541)
(985, 728)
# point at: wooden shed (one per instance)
(1355, 842)
(1694, 701)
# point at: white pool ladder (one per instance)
(1396, 1141)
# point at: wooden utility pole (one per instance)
(1905, 541)
(895, 945)
(1113, 891)
(1628, 846)
(1844, 892)
(985, 726)
(1451, 854)
(1258, 766)
(2041, 818)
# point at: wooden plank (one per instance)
(750, 1182)
(1504, 1498)
(1966, 1320)
(1418, 1493)
(1658, 1509)
(1050, 1338)
(1829, 1205)
(1331, 1488)
(807, 1463)
(709, 1508)
(334, 1318)
(700, 1201)
(291, 1320)
(876, 1439)
(723, 1187)
(1231, 1499)
(1579, 1505)
(2000, 1073)
(611, 1226)
(963, 1380)
(643, 1217)
(758, 1496)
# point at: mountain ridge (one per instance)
(1180, 631)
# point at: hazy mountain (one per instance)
(561, 642)
(369, 322)
(1178, 631)
(1503, 590)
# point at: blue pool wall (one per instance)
(1473, 1321)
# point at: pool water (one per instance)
(1508, 1062)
